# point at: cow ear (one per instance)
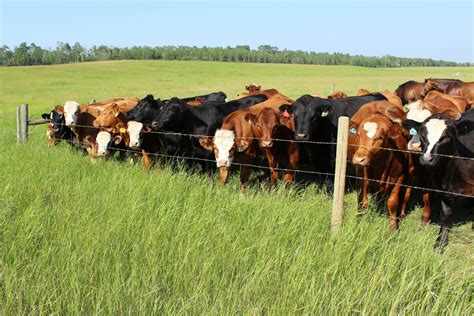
(252, 119)
(286, 107)
(117, 139)
(90, 140)
(46, 116)
(207, 143)
(464, 127)
(395, 114)
(325, 109)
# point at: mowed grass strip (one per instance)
(111, 238)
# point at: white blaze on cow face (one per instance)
(370, 128)
(103, 139)
(134, 128)
(416, 113)
(70, 112)
(434, 131)
(224, 141)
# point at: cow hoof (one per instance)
(393, 225)
(425, 220)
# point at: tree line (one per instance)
(31, 54)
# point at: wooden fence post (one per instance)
(18, 124)
(340, 174)
(380, 86)
(333, 87)
(24, 118)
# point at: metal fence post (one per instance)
(18, 124)
(340, 174)
(24, 118)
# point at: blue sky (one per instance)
(432, 29)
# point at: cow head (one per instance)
(223, 146)
(267, 121)
(146, 110)
(134, 131)
(109, 118)
(436, 138)
(417, 111)
(56, 126)
(373, 133)
(308, 112)
(169, 115)
(71, 110)
(102, 144)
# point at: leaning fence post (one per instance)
(18, 124)
(24, 119)
(340, 174)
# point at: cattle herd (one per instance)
(422, 135)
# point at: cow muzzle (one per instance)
(267, 143)
(362, 161)
(223, 163)
(302, 136)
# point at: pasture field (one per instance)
(112, 238)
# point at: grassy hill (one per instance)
(90, 238)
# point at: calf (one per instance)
(277, 143)
(391, 168)
(235, 140)
(443, 144)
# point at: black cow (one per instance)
(316, 119)
(219, 97)
(58, 130)
(439, 137)
(146, 110)
(176, 116)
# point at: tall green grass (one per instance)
(112, 238)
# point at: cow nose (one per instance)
(427, 159)
(301, 136)
(222, 163)
(359, 160)
(267, 143)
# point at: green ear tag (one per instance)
(405, 108)
(413, 131)
(353, 131)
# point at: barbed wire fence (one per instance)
(341, 158)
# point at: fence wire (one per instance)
(84, 146)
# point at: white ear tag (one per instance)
(325, 113)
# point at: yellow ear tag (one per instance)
(122, 130)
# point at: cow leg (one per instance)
(244, 177)
(426, 216)
(392, 204)
(446, 224)
(405, 202)
(223, 175)
(362, 186)
(146, 160)
(273, 165)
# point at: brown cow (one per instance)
(461, 103)
(337, 95)
(451, 87)
(391, 168)
(235, 140)
(276, 129)
(391, 97)
(410, 91)
(253, 89)
(422, 109)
